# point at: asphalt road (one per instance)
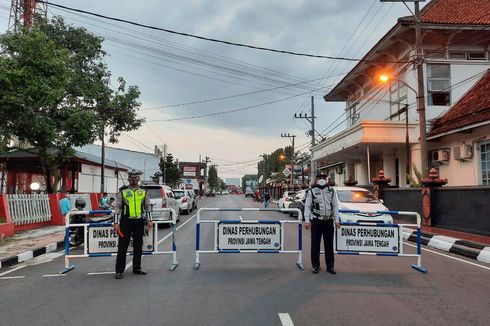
(247, 289)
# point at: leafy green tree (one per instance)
(213, 178)
(274, 162)
(221, 184)
(56, 94)
(170, 171)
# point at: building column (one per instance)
(361, 172)
(389, 167)
(402, 167)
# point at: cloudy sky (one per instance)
(226, 102)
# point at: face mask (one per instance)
(322, 182)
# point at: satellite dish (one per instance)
(261, 178)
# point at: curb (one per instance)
(464, 248)
(10, 261)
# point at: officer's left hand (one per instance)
(337, 225)
(150, 224)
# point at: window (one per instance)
(438, 85)
(485, 163)
(476, 56)
(467, 55)
(398, 100)
(353, 115)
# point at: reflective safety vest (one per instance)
(133, 203)
(322, 201)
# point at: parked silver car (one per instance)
(162, 197)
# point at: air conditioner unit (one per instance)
(339, 170)
(464, 152)
(440, 155)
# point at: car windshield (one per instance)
(154, 192)
(178, 194)
(290, 193)
(356, 196)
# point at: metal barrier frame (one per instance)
(215, 250)
(417, 266)
(85, 226)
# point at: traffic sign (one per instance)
(286, 172)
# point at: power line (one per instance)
(233, 96)
(230, 111)
(212, 39)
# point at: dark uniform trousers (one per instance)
(321, 228)
(131, 228)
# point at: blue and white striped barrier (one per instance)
(85, 226)
(400, 227)
(217, 223)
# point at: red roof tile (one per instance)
(472, 12)
(472, 108)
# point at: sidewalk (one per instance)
(26, 245)
(29, 244)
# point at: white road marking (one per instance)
(101, 273)
(285, 319)
(444, 255)
(12, 270)
(54, 275)
(11, 277)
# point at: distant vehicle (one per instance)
(298, 202)
(161, 197)
(286, 199)
(225, 192)
(186, 199)
(355, 198)
(249, 192)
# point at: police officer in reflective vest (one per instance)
(321, 214)
(131, 211)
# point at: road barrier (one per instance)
(249, 236)
(100, 239)
(376, 239)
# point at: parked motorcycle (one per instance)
(76, 237)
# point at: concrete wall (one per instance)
(454, 208)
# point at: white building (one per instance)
(455, 43)
(147, 163)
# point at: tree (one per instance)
(213, 178)
(221, 184)
(56, 94)
(170, 171)
(274, 162)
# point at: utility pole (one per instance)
(311, 120)
(165, 164)
(419, 61)
(206, 161)
(291, 137)
(102, 171)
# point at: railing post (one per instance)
(7, 228)
(54, 206)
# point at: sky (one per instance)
(183, 79)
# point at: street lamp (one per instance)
(384, 78)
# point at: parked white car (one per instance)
(186, 199)
(355, 198)
(162, 197)
(286, 199)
